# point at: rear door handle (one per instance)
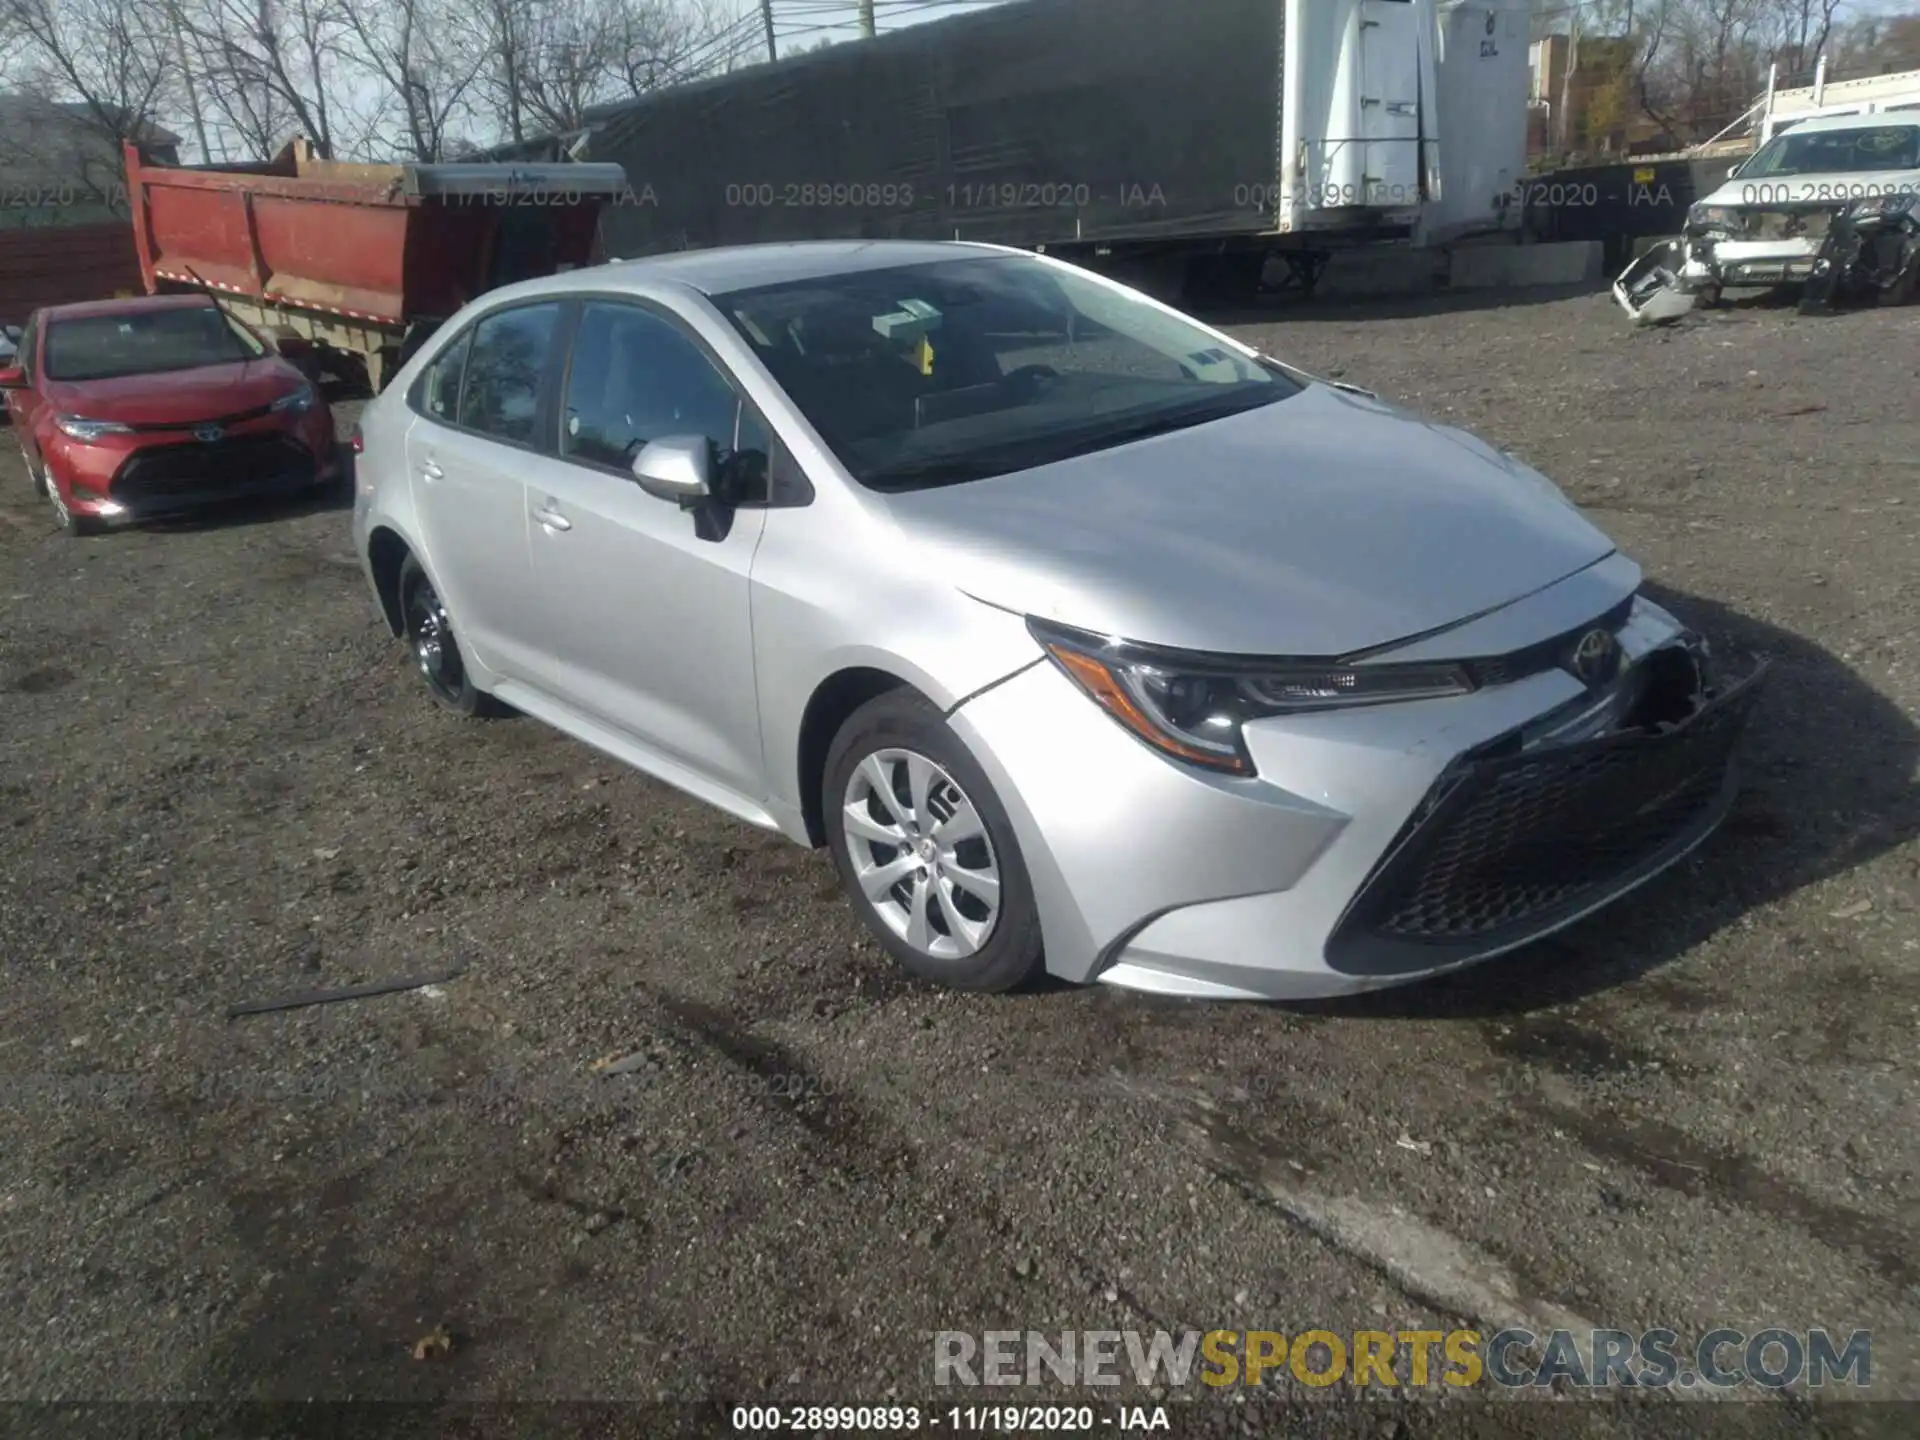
(552, 518)
(431, 470)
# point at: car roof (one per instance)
(129, 305)
(745, 267)
(1880, 120)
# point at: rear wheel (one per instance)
(436, 653)
(925, 849)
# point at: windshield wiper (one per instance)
(1035, 451)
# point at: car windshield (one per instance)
(1817, 152)
(940, 373)
(139, 342)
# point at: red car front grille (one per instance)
(240, 465)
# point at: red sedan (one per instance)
(130, 409)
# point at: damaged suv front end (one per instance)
(1829, 205)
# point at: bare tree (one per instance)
(93, 73)
(270, 68)
(428, 56)
(551, 61)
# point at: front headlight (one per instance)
(78, 428)
(1703, 216)
(298, 402)
(1192, 707)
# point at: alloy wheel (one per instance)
(921, 854)
(430, 633)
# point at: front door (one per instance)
(644, 606)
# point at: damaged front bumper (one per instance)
(1871, 256)
(1866, 252)
(1657, 288)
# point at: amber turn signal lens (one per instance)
(1106, 692)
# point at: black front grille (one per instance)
(1545, 654)
(240, 465)
(1510, 844)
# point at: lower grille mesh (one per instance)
(1513, 842)
(243, 463)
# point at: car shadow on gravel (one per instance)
(1827, 767)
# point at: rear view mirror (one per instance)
(12, 377)
(676, 467)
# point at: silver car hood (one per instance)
(1322, 525)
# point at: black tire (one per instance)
(901, 720)
(74, 527)
(428, 631)
(34, 472)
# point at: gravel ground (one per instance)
(219, 783)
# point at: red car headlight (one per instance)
(297, 403)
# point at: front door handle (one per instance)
(431, 470)
(552, 519)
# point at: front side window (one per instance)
(140, 342)
(636, 377)
(937, 374)
(506, 359)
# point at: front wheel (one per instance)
(70, 524)
(35, 473)
(925, 849)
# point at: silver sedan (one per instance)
(1088, 638)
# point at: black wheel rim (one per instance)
(430, 633)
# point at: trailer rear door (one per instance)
(1390, 102)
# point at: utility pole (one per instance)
(766, 18)
(866, 20)
(1566, 81)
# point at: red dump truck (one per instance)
(355, 265)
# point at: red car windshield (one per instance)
(104, 347)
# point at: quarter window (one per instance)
(508, 355)
(439, 393)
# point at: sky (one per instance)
(798, 23)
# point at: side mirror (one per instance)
(12, 377)
(1734, 173)
(678, 468)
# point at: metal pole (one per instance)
(766, 18)
(866, 19)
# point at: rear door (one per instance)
(644, 606)
(483, 408)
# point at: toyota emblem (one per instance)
(207, 433)
(1596, 659)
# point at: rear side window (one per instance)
(440, 387)
(506, 359)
